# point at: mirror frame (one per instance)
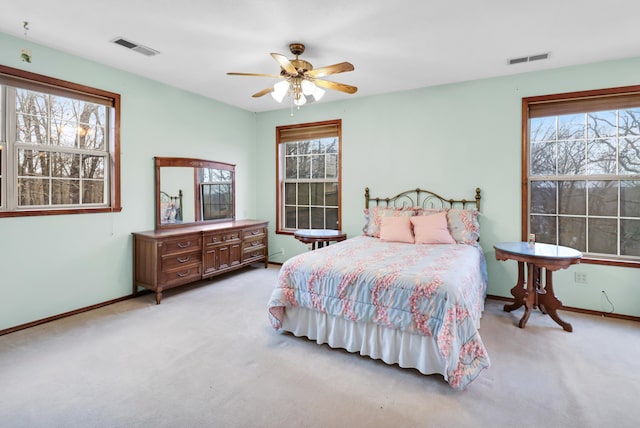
(162, 162)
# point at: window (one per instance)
(581, 173)
(216, 188)
(59, 148)
(308, 176)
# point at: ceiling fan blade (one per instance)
(263, 92)
(330, 69)
(254, 74)
(336, 86)
(285, 64)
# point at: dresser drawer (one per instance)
(253, 245)
(250, 256)
(181, 276)
(254, 233)
(180, 245)
(222, 238)
(181, 260)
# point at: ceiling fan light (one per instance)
(280, 90)
(300, 100)
(318, 93)
(308, 87)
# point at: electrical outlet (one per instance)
(581, 277)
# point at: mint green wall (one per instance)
(452, 139)
(54, 264)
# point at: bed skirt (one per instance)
(378, 342)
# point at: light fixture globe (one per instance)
(308, 87)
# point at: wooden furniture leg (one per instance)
(551, 303)
(530, 295)
(517, 291)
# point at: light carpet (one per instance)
(207, 357)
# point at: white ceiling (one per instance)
(394, 45)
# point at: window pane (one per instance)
(603, 235)
(629, 122)
(304, 147)
(291, 167)
(303, 194)
(65, 165)
(572, 232)
(603, 198)
(572, 159)
(544, 228)
(331, 145)
(91, 126)
(290, 193)
(602, 124)
(630, 198)
(317, 194)
(290, 217)
(92, 192)
(630, 237)
(291, 148)
(543, 158)
(303, 218)
(93, 166)
(542, 129)
(572, 197)
(304, 167)
(543, 197)
(64, 121)
(331, 194)
(65, 192)
(32, 117)
(629, 156)
(317, 146)
(33, 191)
(332, 166)
(33, 163)
(571, 126)
(332, 218)
(317, 166)
(602, 156)
(317, 218)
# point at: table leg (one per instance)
(530, 295)
(550, 302)
(517, 291)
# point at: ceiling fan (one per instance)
(300, 79)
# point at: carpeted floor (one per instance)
(207, 357)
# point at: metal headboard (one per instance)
(421, 198)
(176, 200)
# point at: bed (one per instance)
(412, 298)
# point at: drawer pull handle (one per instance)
(255, 232)
(183, 274)
(255, 243)
(181, 245)
(184, 260)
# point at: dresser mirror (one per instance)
(191, 191)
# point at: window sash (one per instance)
(590, 222)
(306, 214)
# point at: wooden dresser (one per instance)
(169, 258)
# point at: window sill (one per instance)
(31, 213)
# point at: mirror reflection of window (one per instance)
(216, 192)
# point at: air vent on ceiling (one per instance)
(135, 47)
(529, 58)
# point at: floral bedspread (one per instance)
(433, 290)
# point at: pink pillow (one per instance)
(396, 229)
(431, 229)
